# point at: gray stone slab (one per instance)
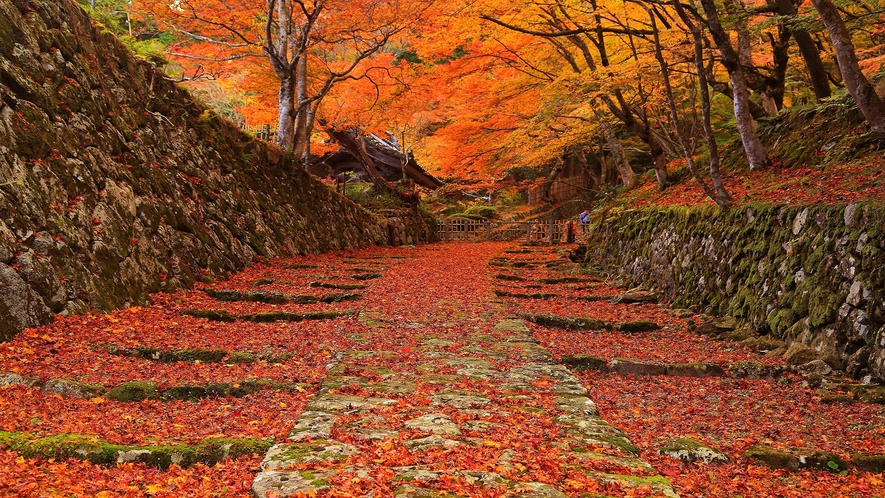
(313, 425)
(435, 423)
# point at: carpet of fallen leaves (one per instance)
(859, 180)
(729, 414)
(446, 291)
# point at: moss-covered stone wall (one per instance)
(114, 183)
(814, 274)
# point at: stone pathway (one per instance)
(478, 408)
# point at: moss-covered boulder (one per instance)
(523, 295)
(869, 463)
(624, 366)
(366, 276)
(795, 458)
(697, 370)
(68, 387)
(510, 278)
(638, 326)
(213, 315)
(690, 450)
(559, 322)
(341, 296)
(98, 451)
(331, 285)
(584, 362)
(133, 391)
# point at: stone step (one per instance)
(477, 393)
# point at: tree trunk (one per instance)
(810, 53)
(618, 155)
(286, 118)
(816, 71)
(302, 106)
(644, 132)
(870, 104)
(548, 183)
(753, 148)
(688, 148)
(706, 106)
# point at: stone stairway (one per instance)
(488, 414)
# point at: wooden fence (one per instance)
(539, 232)
(565, 188)
(264, 132)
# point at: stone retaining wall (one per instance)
(813, 274)
(114, 183)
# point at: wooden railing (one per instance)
(264, 132)
(565, 188)
(546, 232)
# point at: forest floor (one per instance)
(861, 179)
(462, 369)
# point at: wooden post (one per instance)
(488, 225)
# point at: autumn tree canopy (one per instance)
(478, 87)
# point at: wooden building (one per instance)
(392, 164)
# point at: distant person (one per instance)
(584, 218)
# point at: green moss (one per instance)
(638, 326)
(198, 355)
(771, 457)
(188, 392)
(273, 316)
(683, 443)
(584, 362)
(560, 280)
(213, 315)
(636, 481)
(366, 276)
(341, 296)
(823, 307)
(238, 357)
(510, 278)
(621, 442)
(329, 285)
(779, 320)
(559, 322)
(521, 295)
(327, 315)
(303, 299)
(133, 391)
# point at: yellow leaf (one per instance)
(282, 405)
(491, 444)
(97, 400)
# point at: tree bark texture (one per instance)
(871, 105)
(756, 155)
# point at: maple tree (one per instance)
(310, 46)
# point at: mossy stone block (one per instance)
(213, 315)
(638, 326)
(584, 362)
(869, 463)
(134, 391)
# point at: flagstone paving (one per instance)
(454, 399)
